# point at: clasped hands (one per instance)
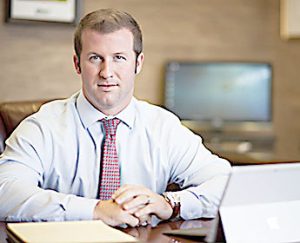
(132, 205)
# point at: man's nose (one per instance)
(106, 70)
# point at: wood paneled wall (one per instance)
(36, 60)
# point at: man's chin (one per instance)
(108, 107)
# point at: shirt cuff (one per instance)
(191, 207)
(80, 208)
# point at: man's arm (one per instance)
(23, 194)
(22, 200)
(22, 168)
(201, 175)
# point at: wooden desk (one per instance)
(254, 158)
(151, 234)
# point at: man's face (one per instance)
(107, 67)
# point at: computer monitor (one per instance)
(218, 94)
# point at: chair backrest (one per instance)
(12, 113)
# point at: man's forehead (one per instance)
(121, 39)
(121, 31)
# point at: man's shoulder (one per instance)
(146, 107)
(151, 111)
(55, 110)
(55, 119)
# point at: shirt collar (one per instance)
(89, 114)
(128, 115)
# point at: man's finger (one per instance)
(129, 194)
(132, 221)
(145, 211)
(133, 210)
(140, 200)
(144, 220)
(121, 190)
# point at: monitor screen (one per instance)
(219, 91)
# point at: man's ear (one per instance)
(76, 64)
(139, 63)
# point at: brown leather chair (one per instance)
(12, 113)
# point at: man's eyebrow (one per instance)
(94, 53)
(121, 53)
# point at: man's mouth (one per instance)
(107, 87)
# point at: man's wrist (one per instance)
(174, 201)
(96, 211)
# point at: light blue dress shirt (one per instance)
(50, 167)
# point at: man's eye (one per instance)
(94, 58)
(119, 58)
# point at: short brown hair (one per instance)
(107, 21)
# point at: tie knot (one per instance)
(110, 126)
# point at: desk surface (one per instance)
(151, 234)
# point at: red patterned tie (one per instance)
(110, 170)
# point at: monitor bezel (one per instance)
(227, 125)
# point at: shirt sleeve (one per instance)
(22, 166)
(201, 174)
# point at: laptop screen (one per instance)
(262, 203)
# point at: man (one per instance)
(102, 154)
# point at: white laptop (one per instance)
(261, 203)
